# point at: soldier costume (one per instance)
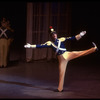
(63, 55)
(6, 38)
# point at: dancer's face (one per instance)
(54, 36)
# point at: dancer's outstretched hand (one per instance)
(27, 45)
(82, 33)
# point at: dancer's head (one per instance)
(53, 33)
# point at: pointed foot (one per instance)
(95, 46)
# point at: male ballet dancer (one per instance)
(63, 55)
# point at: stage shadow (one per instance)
(27, 85)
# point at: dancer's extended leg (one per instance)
(75, 54)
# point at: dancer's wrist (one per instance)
(33, 46)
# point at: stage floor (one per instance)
(39, 79)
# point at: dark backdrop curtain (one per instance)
(41, 15)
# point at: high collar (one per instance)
(55, 40)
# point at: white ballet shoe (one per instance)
(95, 46)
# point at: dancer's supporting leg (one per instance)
(63, 60)
(62, 69)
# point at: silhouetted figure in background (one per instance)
(6, 38)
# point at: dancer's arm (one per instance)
(80, 35)
(47, 44)
(77, 37)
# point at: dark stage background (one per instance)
(84, 16)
